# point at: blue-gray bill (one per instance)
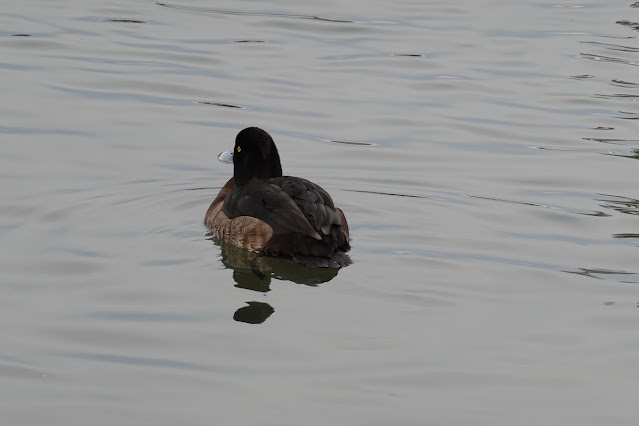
(226, 157)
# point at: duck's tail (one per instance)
(329, 252)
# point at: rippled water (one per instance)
(483, 152)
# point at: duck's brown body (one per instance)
(243, 231)
(274, 214)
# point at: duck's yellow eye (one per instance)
(239, 149)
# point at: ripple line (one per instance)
(128, 21)
(594, 213)
(620, 204)
(622, 83)
(611, 46)
(601, 58)
(221, 104)
(604, 274)
(616, 96)
(631, 24)
(244, 13)
(350, 142)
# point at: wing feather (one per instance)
(315, 203)
(268, 202)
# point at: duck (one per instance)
(261, 210)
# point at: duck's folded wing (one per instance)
(311, 198)
(269, 203)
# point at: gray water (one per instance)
(485, 154)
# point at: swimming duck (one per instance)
(261, 210)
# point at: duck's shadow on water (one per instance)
(252, 271)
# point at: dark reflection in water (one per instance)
(253, 271)
(254, 313)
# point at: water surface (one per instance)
(483, 152)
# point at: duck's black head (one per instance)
(255, 156)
